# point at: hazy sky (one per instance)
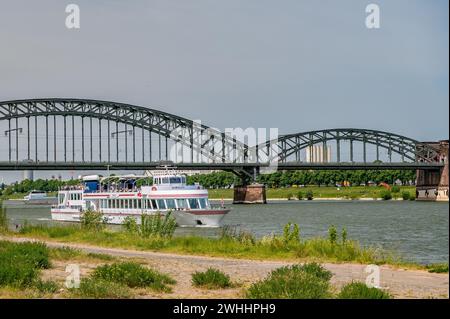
(295, 65)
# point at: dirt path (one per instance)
(401, 283)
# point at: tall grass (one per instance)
(309, 281)
(3, 219)
(133, 275)
(211, 279)
(232, 242)
(359, 290)
(158, 225)
(20, 263)
(98, 289)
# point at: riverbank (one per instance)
(323, 192)
(399, 283)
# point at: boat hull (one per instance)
(185, 218)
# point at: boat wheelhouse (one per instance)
(118, 197)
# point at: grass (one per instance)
(353, 192)
(309, 281)
(99, 289)
(20, 263)
(133, 275)
(438, 268)
(230, 244)
(211, 279)
(358, 290)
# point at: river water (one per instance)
(417, 231)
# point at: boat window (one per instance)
(139, 204)
(161, 204)
(181, 203)
(175, 180)
(202, 202)
(154, 204)
(193, 203)
(165, 180)
(61, 198)
(170, 203)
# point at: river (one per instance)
(417, 231)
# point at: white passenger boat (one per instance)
(118, 197)
(36, 197)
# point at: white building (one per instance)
(318, 154)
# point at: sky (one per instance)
(293, 65)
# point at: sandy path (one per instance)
(399, 282)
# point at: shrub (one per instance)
(3, 219)
(94, 288)
(46, 286)
(211, 279)
(386, 195)
(344, 236)
(20, 263)
(300, 195)
(332, 234)
(309, 281)
(289, 196)
(309, 195)
(395, 189)
(234, 233)
(92, 220)
(64, 253)
(358, 290)
(406, 195)
(157, 225)
(133, 275)
(438, 268)
(291, 233)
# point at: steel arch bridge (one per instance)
(67, 133)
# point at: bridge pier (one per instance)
(250, 194)
(432, 185)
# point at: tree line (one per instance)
(227, 179)
(318, 177)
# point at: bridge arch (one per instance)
(410, 150)
(200, 139)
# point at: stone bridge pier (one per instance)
(432, 185)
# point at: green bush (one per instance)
(309, 195)
(3, 219)
(358, 290)
(237, 234)
(386, 195)
(299, 195)
(46, 286)
(395, 189)
(133, 275)
(344, 235)
(92, 220)
(438, 268)
(20, 263)
(309, 281)
(289, 196)
(64, 253)
(94, 288)
(291, 233)
(332, 234)
(157, 225)
(211, 279)
(406, 195)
